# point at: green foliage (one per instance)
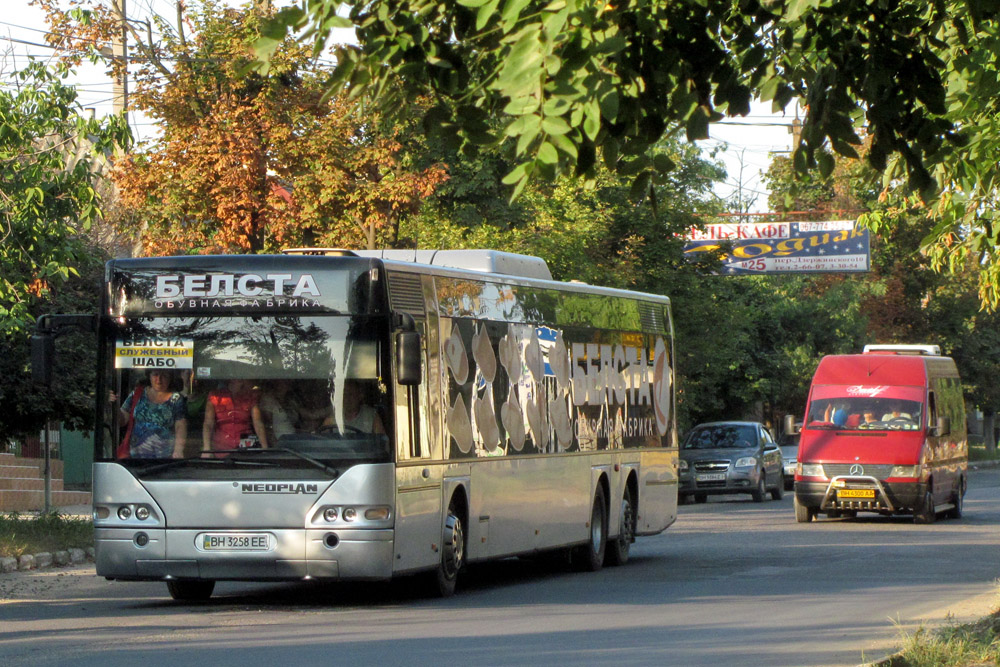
(48, 195)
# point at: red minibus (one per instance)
(885, 432)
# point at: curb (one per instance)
(45, 559)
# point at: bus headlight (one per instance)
(124, 512)
(746, 462)
(811, 470)
(141, 512)
(350, 514)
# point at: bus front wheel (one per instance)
(592, 553)
(452, 552)
(190, 590)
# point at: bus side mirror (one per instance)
(42, 351)
(790, 427)
(408, 358)
(943, 427)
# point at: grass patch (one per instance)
(979, 453)
(32, 534)
(970, 645)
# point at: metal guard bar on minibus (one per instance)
(857, 478)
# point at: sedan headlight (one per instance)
(746, 462)
(811, 470)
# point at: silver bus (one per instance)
(505, 414)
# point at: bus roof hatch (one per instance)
(484, 261)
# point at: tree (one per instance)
(248, 162)
(574, 83)
(48, 192)
(48, 203)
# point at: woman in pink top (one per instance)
(233, 418)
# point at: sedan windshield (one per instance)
(714, 436)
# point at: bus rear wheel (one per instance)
(190, 590)
(452, 552)
(592, 553)
(618, 551)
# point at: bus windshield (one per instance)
(865, 408)
(248, 396)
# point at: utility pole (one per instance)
(119, 51)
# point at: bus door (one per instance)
(418, 483)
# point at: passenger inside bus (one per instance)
(358, 414)
(155, 419)
(233, 418)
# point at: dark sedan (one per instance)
(730, 457)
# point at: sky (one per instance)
(745, 144)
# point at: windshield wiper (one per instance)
(316, 462)
(178, 462)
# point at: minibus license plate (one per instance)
(712, 477)
(856, 493)
(234, 542)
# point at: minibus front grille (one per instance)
(877, 470)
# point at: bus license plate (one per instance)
(712, 477)
(868, 494)
(234, 542)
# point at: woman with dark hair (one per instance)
(233, 418)
(156, 418)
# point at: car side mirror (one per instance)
(790, 426)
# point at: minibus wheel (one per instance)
(190, 590)
(926, 512)
(803, 514)
(958, 501)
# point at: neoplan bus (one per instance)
(519, 415)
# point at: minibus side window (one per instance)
(931, 410)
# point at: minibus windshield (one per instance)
(857, 407)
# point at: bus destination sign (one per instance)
(154, 353)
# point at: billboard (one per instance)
(833, 246)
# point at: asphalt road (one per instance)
(731, 583)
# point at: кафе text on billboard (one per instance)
(785, 247)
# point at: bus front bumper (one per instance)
(163, 554)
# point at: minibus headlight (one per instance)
(377, 513)
(905, 471)
(811, 470)
(682, 465)
(746, 462)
